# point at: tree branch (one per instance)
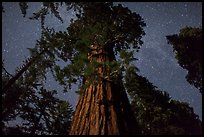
(6, 71)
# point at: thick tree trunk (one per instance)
(103, 109)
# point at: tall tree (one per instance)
(188, 47)
(42, 57)
(156, 112)
(100, 31)
(90, 49)
(38, 109)
(44, 113)
(21, 71)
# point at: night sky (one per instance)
(156, 59)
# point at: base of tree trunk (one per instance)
(104, 109)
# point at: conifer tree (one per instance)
(156, 112)
(188, 48)
(97, 35)
(97, 48)
(100, 32)
(37, 110)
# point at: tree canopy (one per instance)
(27, 100)
(111, 27)
(188, 47)
(119, 31)
(156, 112)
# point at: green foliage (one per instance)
(114, 29)
(47, 7)
(188, 47)
(114, 25)
(156, 113)
(127, 57)
(99, 23)
(107, 28)
(40, 111)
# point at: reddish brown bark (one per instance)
(103, 109)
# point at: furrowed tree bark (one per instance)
(103, 109)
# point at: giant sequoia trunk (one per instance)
(103, 109)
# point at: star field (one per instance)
(156, 59)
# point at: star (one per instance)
(6, 51)
(157, 60)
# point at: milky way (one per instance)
(156, 59)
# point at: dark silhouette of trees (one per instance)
(38, 109)
(25, 66)
(97, 48)
(156, 112)
(188, 47)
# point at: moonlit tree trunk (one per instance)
(103, 108)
